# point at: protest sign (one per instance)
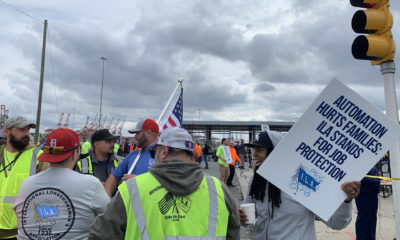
(264, 128)
(339, 138)
(227, 154)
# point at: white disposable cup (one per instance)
(250, 210)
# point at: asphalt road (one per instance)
(236, 191)
(385, 223)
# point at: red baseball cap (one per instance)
(60, 144)
(147, 124)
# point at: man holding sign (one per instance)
(279, 215)
(224, 158)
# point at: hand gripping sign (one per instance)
(339, 138)
(227, 154)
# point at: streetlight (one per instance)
(101, 95)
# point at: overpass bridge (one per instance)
(206, 129)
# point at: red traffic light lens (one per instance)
(360, 3)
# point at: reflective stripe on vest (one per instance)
(9, 199)
(192, 238)
(85, 165)
(132, 196)
(24, 167)
(85, 168)
(137, 208)
(213, 217)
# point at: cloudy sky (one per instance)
(263, 61)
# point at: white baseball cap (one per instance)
(177, 138)
(18, 122)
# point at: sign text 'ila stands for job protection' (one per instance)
(339, 138)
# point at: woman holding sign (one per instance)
(279, 216)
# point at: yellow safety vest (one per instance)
(23, 167)
(85, 165)
(154, 213)
(116, 148)
(220, 152)
(85, 147)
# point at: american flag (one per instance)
(174, 119)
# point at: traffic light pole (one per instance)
(388, 70)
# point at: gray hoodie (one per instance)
(179, 178)
(292, 220)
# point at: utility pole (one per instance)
(39, 109)
(101, 95)
(388, 70)
(199, 114)
(379, 47)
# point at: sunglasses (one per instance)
(153, 150)
(58, 150)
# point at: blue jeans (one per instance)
(205, 158)
(367, 207)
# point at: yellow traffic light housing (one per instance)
(376, 20)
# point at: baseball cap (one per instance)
(60, 144)
(18, 122)
(146, 124)
(267, 139)
(177, 138)
(102, 134)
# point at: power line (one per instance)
(22, 12)
(52, 69)
(50, 48)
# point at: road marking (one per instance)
(349, 234)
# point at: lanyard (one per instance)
(13, 161)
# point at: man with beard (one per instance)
(101, 160)
(17, 162)
(138, 161)
(174, 200)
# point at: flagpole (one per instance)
(169, 101)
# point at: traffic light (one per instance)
(377, 21)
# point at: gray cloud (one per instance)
(264, 87)
(229, 53)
